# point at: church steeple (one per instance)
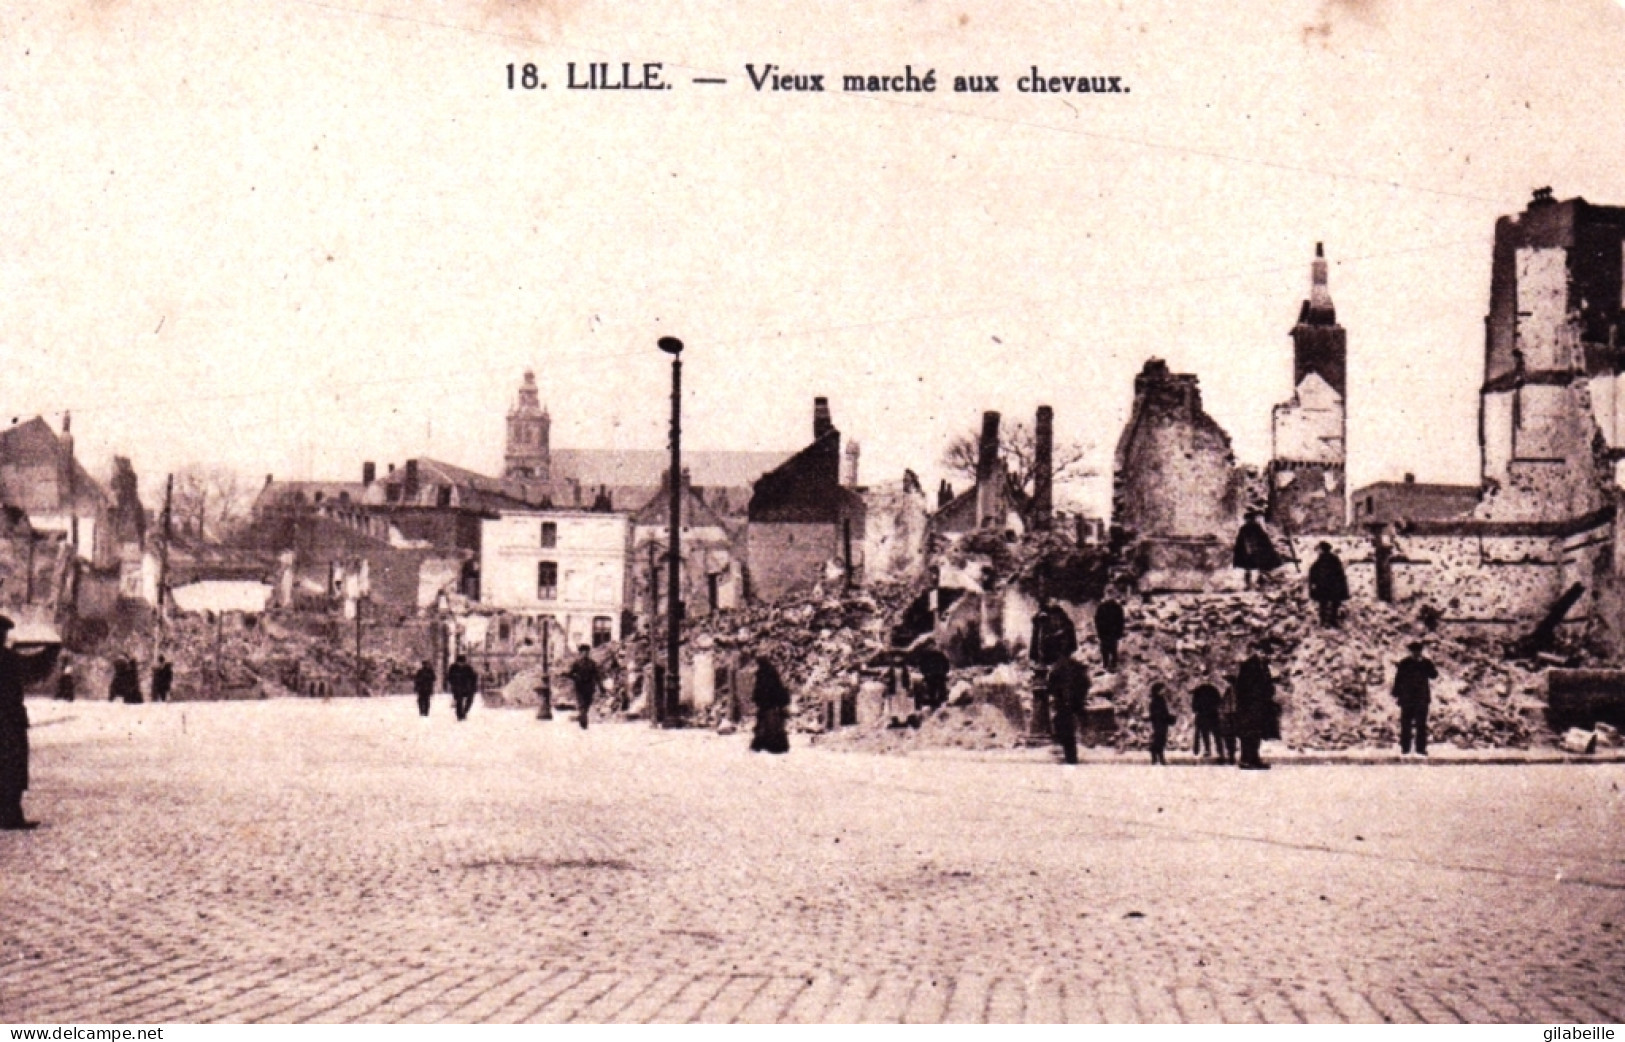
(1319, 344)
(528, 455)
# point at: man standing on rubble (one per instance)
(1109, 626)
(1328, 586)
(587, 680)
(1413, 691)
(423, 685)
(1254, 551)
(1255, 706)
(463, 682)
(1054, 639)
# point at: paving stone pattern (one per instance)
(294, 861)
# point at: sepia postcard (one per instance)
(548, 511)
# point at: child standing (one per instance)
(1161, 717)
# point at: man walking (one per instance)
(1205, 709)
(1109, 626)
(587, 680)
(1328, 586)
(1255, 707)
(463, 682)
(1069, 692)
(13, 733)
(163, 678)
(1054, 638)
(423, 685)
(1413, 691)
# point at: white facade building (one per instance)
(569, 565)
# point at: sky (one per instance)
(289, 236)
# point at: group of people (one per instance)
(464, 683)
(125, 685)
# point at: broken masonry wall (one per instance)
(1309, 498)
(1504, 581)
(788, 558)
(894, 528)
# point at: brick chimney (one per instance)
(409, 487)
(849, 477)
(945, 494)
(822, 424)
(1043, 467)
(987, 448)
(989, 473)
(369, 473)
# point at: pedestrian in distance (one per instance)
(126, 683)
(587, 681)
(163, 679)
(66, 683)
(1069, 693)
(1227, 724)
(1109, 626)
(464, 682)
(1254, 552)
(1255, 707)
(1054, 638)
(1328, 586)
(16, 670)
(772, 700)
(1161, 718)
(933, 667)
(423, 686)
(1205, 702)
(1413, 690)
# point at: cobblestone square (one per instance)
(295, 861)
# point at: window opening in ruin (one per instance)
(443, 496)
(547, 581)
(550, 535)
(711, 591)
(601, 633)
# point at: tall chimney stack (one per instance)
(987, 449)
(1043, 468)
(369, 473)
(850, 477)
(409, 486)
(989, 474)
(822, 424)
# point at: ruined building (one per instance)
(1309, 433)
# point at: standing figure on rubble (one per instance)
(934, 667)
(423, 686)
(1255, 707)
(587, 681)
(1413, 691)
(1328, 586)
(15, 670)
(1205, 703)
(163, 679)
(1054, 638)
(772, 700)
(1254, 551)
(1109, 626)
(1069, 696)
(463, 682)
(1161, 718)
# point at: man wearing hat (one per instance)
(13, 733)
(1254, 551)
(1414, 694)
(1328, 586)
(1255, 706)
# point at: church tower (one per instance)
(1307, 486)
(528, 454)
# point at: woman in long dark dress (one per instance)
(772, 700)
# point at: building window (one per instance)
(547, 581)
(601, 632)
(442, 496)
(550, 535)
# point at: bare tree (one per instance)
(209, 502)
(1018, 448)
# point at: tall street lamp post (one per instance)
(667, 713)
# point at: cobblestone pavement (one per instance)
(348, 861)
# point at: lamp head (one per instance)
(671, 345)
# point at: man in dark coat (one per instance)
(1414, 693)
(1054, 638)
(1254, 551)
(772, 701)
(423, 685)
(1069, 695)
(1109, 626)
(933, 666)
(1255, 707)
(1328, 586)
(163, 678)
(463, 682)
(15, 671)
(126, 683)
(1205, 709)
(587, 681)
